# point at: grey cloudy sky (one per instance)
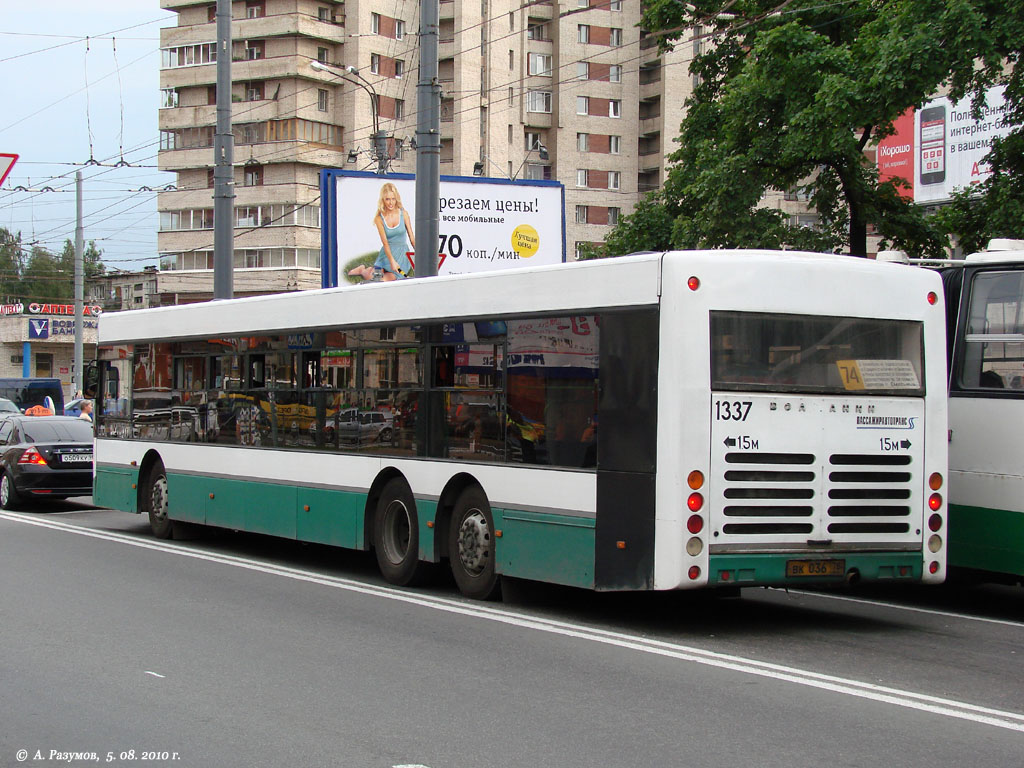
(81, 82)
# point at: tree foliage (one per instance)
(37, 274)
(790, 94)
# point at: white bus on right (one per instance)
(985, 351)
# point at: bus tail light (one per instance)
(934, 543)
(694, 546)
(693, 283)
(934, 523)
(933, 567)
(935, 502)
(933, 298)
(693, 573)
(695, 524)
(695, 501)
(935, 481)
(696, 480)
(31, 456)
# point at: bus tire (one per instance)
(471, 546)
(157, 503)
(396, 538)
(9, 496)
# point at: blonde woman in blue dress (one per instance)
(395, 230)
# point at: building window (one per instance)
(321, 99)
(538, 172)
(209, 178)
(538, 101)
(321, 54)
(615, 73)
(537, 32)
(615, 144)
(614, 179)
(399, 68)
(254, 90)
(399, 109)
(323, 13)
(582, 33)
(614, 108)
(255, 49)
(399, 29)
(582, 105)
(188, 55)
(511, 94)
(583, 142)
(168, 97)
(613, 216)
(581, 214)
(582, 3)
(375, 63)
(582, 70)
(540, 64)
(615, 5)
(615, 37)
(211, 13)
(252, 175)
(511, 59)
(532, 140)
(254, 9)
(375, 23)
(581, 177)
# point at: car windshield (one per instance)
(69, 431)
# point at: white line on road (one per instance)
(901, 698)
(155, 674)
(912, 608)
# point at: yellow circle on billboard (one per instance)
(525, 241)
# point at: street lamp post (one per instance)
(380, 144)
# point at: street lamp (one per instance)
(380, 147)
(542, 153)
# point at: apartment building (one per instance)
(565, 91)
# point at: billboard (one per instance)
(483, 223)
(941, 147)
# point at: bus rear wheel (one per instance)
(396, 538)
(471, 547)
(156, 503)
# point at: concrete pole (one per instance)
(428, 143)
(79, 286)
(224, 170)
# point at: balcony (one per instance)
(279, 25)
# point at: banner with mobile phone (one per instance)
(944, 148)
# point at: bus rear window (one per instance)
(816, 355)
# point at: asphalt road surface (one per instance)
(237, 650)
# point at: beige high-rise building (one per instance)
(529, 91)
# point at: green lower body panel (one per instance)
(115, 487)
(762, 570)
(986, 539)
(554, 548)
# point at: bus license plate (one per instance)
(815, 567)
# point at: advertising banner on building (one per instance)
(942, 147)
(484, 224)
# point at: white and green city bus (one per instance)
(660, 421)
(985, 304)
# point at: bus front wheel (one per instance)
(156, 503)
(471, 548)
(396, 539)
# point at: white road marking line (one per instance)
(911, 608)
(901, 698)
(155, 674)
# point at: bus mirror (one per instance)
(91, 379)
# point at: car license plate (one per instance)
(76, 458)
(815, 567)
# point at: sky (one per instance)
(80, 84)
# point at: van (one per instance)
(25, 393)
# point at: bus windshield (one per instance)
(816, 355)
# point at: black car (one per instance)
(44, 457)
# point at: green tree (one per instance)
(791, 93)
(92, 260)
(43, 278)
(10, 266)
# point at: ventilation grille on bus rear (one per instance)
(769, 493)
(869, 493)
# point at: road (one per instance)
(237, 650)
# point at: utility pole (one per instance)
(79, 285)
(224, 170)
(428, 143)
